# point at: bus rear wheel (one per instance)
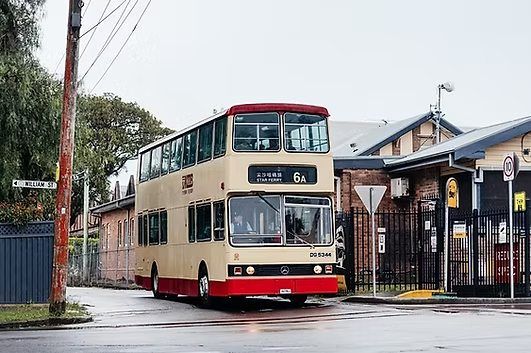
(204, 289)
(298, 300)
(155, 283)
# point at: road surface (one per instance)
(132, 321)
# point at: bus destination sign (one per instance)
(266, 174)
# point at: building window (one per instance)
(219, 220)
(256, 132)
(153, 229)
(131, 230)
(164, 227)
(191, 224)
(156, 161)
(127, 235)
(119, 233)
(145, 165)
(220, 137)
(205, 143)
(165, 159)
(176, 154)
(189, 149)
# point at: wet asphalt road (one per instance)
(132, 321)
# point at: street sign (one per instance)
(381, 243)
(502, 232)
(34, 184)
(459, 230)
(519, 201)
(452, 193)
(433, 239)
(511, 166)
(370, 195)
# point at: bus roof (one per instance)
(243, 109)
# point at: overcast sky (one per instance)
(363, 60)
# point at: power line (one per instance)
(102, 20)
(123, 45)
(94, 32)
(111, 36)
(86, 8)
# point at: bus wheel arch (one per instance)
(203, 285)
(155, 280)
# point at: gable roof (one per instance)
(470, 145)
(370, 141)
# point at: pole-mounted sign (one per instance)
(511, 167)
(371, 195)
(34, 184)
(451, 201)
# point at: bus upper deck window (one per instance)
(176, 152)
(145, 165)
(165, 158)
(205, 142)
(220, 137)
(256, 132)
(156, 160)
(304, 132)
(189, 148)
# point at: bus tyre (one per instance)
(155, 282)
(204, 289)
(298, 300)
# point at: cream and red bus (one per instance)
(240, 204)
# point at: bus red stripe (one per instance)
(246, 286)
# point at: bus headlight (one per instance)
(250, 270)
(317, 269)
(329, 269)
(238, 270)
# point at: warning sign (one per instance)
(452, 193)
(519, 201)
(459, 230)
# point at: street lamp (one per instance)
(448, 87)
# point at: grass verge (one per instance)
(38, 315)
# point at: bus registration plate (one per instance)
(285, 291)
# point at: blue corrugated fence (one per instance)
(26, 255)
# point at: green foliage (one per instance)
(75, 245)
(109, 132)
(19, 27)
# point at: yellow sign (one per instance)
(452, 193)
(459, 230)
(519, 201)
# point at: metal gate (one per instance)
(479, 253)
(405, 256)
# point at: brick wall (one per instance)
(115, 248)
(424, 183)
(351, 178)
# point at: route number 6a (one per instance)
(299, 178)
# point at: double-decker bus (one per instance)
(239, 204)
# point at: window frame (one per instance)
(189, 133)
(156, 216)
(224, 137)
(142, 156)
(215, 229)
(202, 128)
(151, 163)
(140, 229)
(284, 139)
(177, 140)
(145, 230)
(119, 234)
(207, 224)
(165, 228)
(191, 224)
(280, 132)
(162, 171)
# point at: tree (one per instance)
(109, 132)
(30, 104)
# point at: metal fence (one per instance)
(404, 256)
(26, 262)
(479, 253)
(103, 267)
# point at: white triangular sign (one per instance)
(370, 195)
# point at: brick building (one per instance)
(117, 222)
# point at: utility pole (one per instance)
(66, 148)
(85, 223)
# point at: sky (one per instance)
(363, 60)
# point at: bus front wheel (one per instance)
(298, 300)
(204, 288)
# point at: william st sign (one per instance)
(34, 184)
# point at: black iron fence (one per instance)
(479, 254)
(405, 258)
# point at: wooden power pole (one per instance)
(66, 149)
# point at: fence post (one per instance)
(420, 245)
(475, 249)
(527, 223)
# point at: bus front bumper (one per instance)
(275, 286)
